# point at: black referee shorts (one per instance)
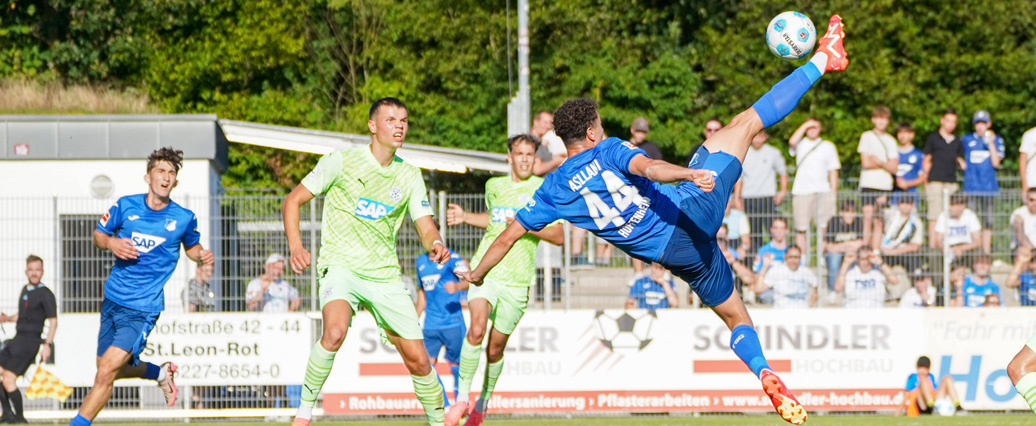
(19, 353)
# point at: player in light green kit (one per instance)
(1022, 371)
(505, 294)
(368, 191)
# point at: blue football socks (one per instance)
(745, 344)
(152, 371)
(783, 96)
(79, 420)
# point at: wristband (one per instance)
(439, 242)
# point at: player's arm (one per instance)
(663, 172)
(290, 208)
(198, 254)
(501, 245)
(455, 215)
(541, 168)
(122, 248)
(431, 240)
(554, 234)
(422, 300)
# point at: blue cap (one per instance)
(980, 115)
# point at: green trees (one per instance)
(319, 63)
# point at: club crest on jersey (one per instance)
(370, 209)
(395, 194)
(170, 225)
(145, 242)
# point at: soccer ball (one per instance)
(791, 35)
(626, 330)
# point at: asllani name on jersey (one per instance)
(588, 172)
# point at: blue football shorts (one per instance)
(452, 338)
(124, 328)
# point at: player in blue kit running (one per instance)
(610, 187)
(144, 232)
(439, 297)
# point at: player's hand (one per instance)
(44, 352)
(206, 257)
(470, 278)
(455, 215)
(4, 317)
(703, 179)
(439, 253)
(299, 259)
(123, 248)
(451, 287)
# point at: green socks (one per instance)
(493, 370)
(1026, 387)
(469, 358)
(320, 362)
(429, 392)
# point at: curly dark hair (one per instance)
(521, 138)
(173, 156)
(390, 101)
(573, 118)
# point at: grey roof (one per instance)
(82, 137)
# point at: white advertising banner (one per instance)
(209, 348)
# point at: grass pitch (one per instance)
(874, 420)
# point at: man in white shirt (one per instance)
(1027, 161)
(793, 286)
(920, 295)
(864, 284)
(1023, 222)
(269, 292)
(904, 233)
(879, 157)
(957, 229)
(757, 189)
(816, 179)
(551, 152)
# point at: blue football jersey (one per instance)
(442, 309)
(980, 175)
(1027, 289)
(596, 191)
(649, 294)
(910, 165)
(975, 293)
(157, 234)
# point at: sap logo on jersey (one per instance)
(145, 242)
(501, 214)
(370, 209)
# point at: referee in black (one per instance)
(35, 304)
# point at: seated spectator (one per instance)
(742, 275)
(904, 234)
(864, 286)
(921, 393)
(1023, 277)
(921, 295)
(992, 300)
(198, 296)
(958, 230)
(269, 292)
(844, 234)
(978, 285)
(654, 292)
(738, 229)
(1023, 223)
(787, 284)
(776, 247)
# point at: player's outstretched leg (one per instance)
(336, 315)
(470, 354)
(782, 98)
(1022, 371)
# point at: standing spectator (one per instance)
(1023, 223)
(792, 285)
(36, 304)
(943, 155)
(983, 151)
(880, 160)
(638, 135)
(757, 188)
(958, 229)
(269, 292)
(904, 234)
(776, 248)
(654, 292)
(551, 151)
(843, 235)
(864, 286)
(920, 295)
(1027, 161)
(1023, 277)
(738, 229)
(910, 172)
(198, 296)
(816, 179)
(977, 285)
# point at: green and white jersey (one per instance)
(363, 209)
(504, 197)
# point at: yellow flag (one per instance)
(46, 385)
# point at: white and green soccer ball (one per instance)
(791, 35)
